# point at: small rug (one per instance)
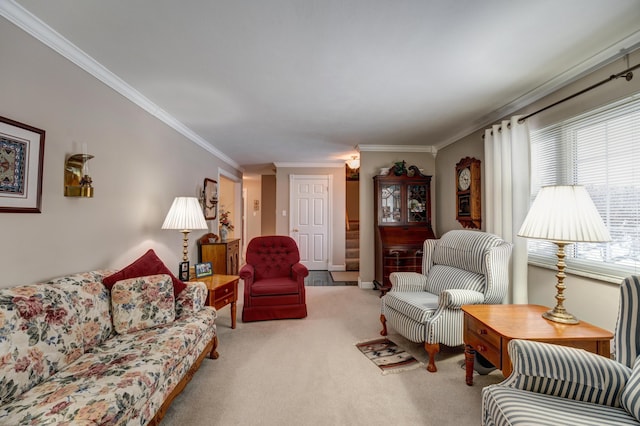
(389, 357)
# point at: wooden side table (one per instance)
(488, 329)
(223, 290)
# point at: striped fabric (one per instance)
(566, 372)
(464, 249)
(626, 343)
(442, 277)
(418, 306)
(505, 406)
(552, 382)
(630, 398)
(463, 267)
(407, 281)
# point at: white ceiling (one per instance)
(267, 81)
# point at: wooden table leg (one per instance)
(469, 357)
(233, 314)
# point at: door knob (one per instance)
(295, 230)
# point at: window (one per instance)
(601, 151)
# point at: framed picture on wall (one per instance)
(21, 158)
(210, 198)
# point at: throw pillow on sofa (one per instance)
(147, 264)
(142, 302)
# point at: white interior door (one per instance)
(309, 216)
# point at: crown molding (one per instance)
(395, 148)
(595, 62)
(331, 165)
(398, 148)
(38, 29)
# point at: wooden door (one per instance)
(309, 213)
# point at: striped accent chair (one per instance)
(553, 385)
(461, 268)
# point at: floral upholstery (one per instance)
(63, 365)
(143, 302)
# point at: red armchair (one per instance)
(273, 280)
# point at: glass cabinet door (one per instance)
(416, 203)
(390, 203)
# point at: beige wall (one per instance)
(269, 204)
(337, 232)
(370, 164)
(140, 165)
(589, 299)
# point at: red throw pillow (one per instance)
(148, 264)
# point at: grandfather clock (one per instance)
(468, 209)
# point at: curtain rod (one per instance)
(627, 74)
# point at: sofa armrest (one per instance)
(247, 273)
(566, 372)
(299, 272)
(192, 299)
(455, 298)
(407, 281)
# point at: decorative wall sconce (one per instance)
(77, 182)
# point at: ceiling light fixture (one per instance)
(354, 162)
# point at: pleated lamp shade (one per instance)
(185, 214)
(564, 213)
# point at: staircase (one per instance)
(352, 252)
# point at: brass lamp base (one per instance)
(562, 317)
(559, 313)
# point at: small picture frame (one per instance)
(183, 272)
(204, 269)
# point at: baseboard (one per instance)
(367, 285)
(337, 268)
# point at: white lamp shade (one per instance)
(185, 214)
(564, 213)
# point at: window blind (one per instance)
(601, 151)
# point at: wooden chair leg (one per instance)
(432, 349)
(214, 353)
(383, 320)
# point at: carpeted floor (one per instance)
(309, 372)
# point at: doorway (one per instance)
(309, 218)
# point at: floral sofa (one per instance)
(74, 353)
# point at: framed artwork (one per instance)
(184, 271)
(21, 162)
(204, 269)
(210, 198)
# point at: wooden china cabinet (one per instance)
(403, 221)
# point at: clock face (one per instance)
(464, 179)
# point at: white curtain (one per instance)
(507, 174)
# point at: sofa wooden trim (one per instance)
(211, 351)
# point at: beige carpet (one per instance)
(348, 276)
(309, 372)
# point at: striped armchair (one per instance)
(461, 268)
(553, 385)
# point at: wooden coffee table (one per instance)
(223, 290)
(488, 329)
